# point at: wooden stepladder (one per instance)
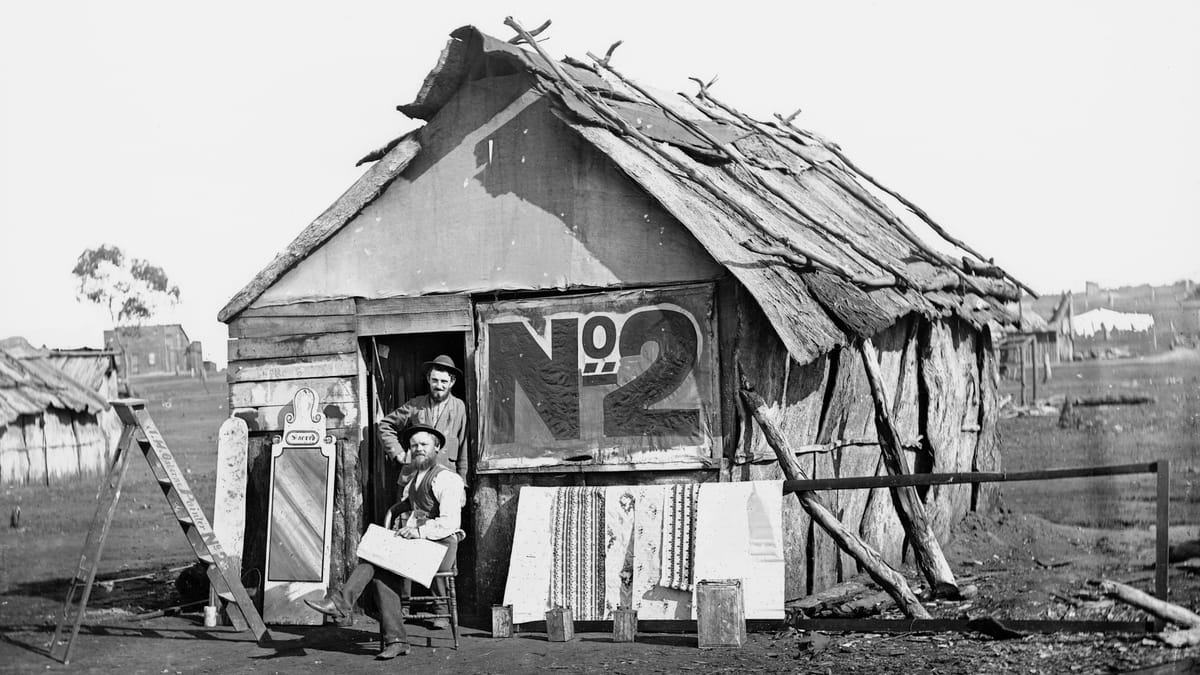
(141, 430)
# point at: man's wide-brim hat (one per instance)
(408, 432)
(444, 362)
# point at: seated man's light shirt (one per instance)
(450, 492)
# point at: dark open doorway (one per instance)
(397, 374)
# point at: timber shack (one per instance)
(610, 268)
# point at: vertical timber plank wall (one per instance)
(939, 371)
(797, 393)
(950, 378)
(986, 496)
(899, 368)
(273, 351)
(52, 447)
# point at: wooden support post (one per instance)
(1034, 359)
(883, 574)
(1021, 365)
(928, 552)
(1162, 557)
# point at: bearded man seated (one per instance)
(430, 507)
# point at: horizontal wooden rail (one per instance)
(1161, 468)
(857, 482)
(963, 625)
(872, 625)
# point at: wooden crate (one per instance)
(624, 624)
(502, 621)
(560, 624)
(720, 613)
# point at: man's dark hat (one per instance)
(408, 432)
(444, 363)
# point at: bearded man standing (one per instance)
(439, 409)
(430, 507)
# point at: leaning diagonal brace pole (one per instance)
(926, 550)
(883, 574)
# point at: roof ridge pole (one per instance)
(855, 192)
(625, 128)
(736, 156)
(917, 210)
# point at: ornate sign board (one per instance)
(300, 508)
(628, 377)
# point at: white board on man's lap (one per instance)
(416, 559)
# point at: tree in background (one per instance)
(131, 289)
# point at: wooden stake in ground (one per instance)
(882, 573)
(926, 549)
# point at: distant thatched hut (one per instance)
(609, 277)
(54, 427)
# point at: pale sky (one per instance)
(1062, 138)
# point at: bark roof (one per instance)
(804, 230)
(30, 384)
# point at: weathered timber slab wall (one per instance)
(273, 352)
(898, 366)
(14, 458)
(986, 496)
(943, 406)
(797, 393)
(848, 422)
(950, 377)
(54, 447)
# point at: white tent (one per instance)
(1091, 322)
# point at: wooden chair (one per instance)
(448, 601)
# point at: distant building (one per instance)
(1174, 309)
(161, 349)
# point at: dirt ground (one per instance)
(1032, 560)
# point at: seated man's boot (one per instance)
(330, 605)
(439, 624)
(392, 650)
